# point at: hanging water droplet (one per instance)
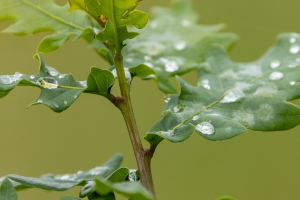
(274, 64)
(292, 40)
(47, 82)
(167, 98)
(39, 101)
(32, 77)
(235, 95)
(294, 49)
(292, 83)
(167, 133)
(205, 84)
(52, 71)
(274, 76)
(196, 117)
(205, 128)
(180, 45)
(57, 106)
(65, 102)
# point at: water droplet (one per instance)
(294, 49)
(83, 83)
(167, 98)
(170, 66)
(79, 172)
(147, 58)
(180, 45)
(61, 75)
(196, 117)
(127, 74)
(65, 102)
(149, 64)
(18, 75)
(205, 84)
(274, 76)
(57, 106)
(235, 95)
(186, 23)
(176, 109)
(167, 133)
(274, 64)
(39, 101)
(47, 82)
(205, 128)
(98, 170)
(96, 30)
(154, 24)
(294, 64)
(52, 71)
(32, 77)
(292, 83)
(292, 40)
(8, 79)
(133, 175)
(75, 97)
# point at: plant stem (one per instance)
(143, 157)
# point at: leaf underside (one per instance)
(173, 43)
(233, 97)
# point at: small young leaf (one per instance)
(43, 16)
(7, 191)
(68, 198)
(233, 97)
(133, 190)
(173, 43)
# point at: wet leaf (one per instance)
(58, 91)
(173, 43)
(43, 16)
(233, 97)
(7, 191)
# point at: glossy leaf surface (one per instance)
(233, 97)
(34, 16)
(173, 43)
(7, 191)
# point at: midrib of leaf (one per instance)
(52, 16)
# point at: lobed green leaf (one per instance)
(173, 43)
(233, 97)
(33, 16)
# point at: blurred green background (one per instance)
(252, 166)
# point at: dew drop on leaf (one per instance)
(274, 64)
(62, 76)
(75, 97)
(57, 106)
(65, 102)
(32, 77)
(176, 109)
(83, 84)
(292, 83)
(274, 76)
(98, 170)
(205, 84)
(180, 45)
(205, 128)
(52, 71)
(39, 101)
(292, 40)
(167, 98)
(196, 117)
(47, 82)
(234, 95)
(18, 75)
(167, 133)
(8, 79)
(132, 176)
(186, 23)
(294, 49)
(170, 66)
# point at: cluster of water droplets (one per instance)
(234, 95)
(127, 74)
(132, 176)
(168, 133)
(10, 79)
(205, 128)
(295, 48)
(205, 84)
(169, 65)
(167, 98)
